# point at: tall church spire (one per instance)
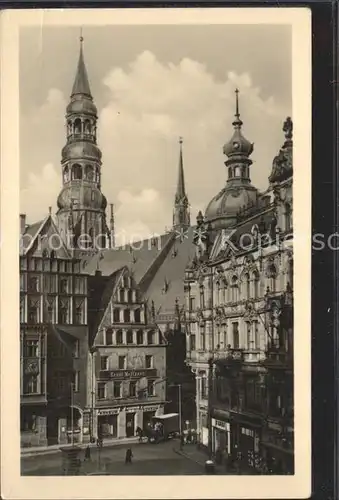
(82, 206)
(81, 83)
(181, 215)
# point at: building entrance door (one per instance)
(130, 425)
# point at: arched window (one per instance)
(255, 277)
(76, 172)
(150, 337)
(273, 277)
(225, 291)
(77, 126)
(137, 316)
(235, 289)
(116, 315)
(288, 217)
(69, 127)
(66, 174)
(87, 127)
(127, 315)
(89, 173)
(97, 175)
(90, 238)
(247, 283)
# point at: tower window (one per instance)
(77, 126)
(77, 172)
(66, 174)
(87, 127)
(89, 173)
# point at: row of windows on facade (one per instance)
(257, 396)
(78, 172)
(123, 362)
(35, 348)
(33, 383)
(53, 284)
(52, 264)
(127, 389)
(249, 288)
(37, 313)
(224, 339)
(131, 337)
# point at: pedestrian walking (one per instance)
(129, 456)
(88, 454)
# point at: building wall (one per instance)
(133, 339)
(231, 309)
(48, 284)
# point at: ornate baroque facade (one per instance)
(239, 303)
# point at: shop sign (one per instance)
(114, 411)
(127, 374)
(219, 424)
(150, 408)
(132, 409)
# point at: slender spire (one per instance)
(181, 216)
(81, 83)
(180, 194)
(237, 122)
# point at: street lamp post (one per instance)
(72, 415)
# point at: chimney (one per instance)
(22, 223)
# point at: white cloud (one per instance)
(41, 193)
(150, 104)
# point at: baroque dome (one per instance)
(80, 150)
(81, 105)
(89, 197)
(226, 204)
(238, 145)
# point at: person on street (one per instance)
(88, 454)
(129, 455)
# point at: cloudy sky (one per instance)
(152, 84)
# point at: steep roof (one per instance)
(170, 275)
(137, 258)
(101, 290)
(81, 83)
(158, 269)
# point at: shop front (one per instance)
(245, 441)
(221, 440)
(122, 422)
(108, 423)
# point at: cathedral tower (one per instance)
(181, 214)
(81, 213)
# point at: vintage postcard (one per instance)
(155, 258)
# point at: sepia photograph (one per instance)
(157, 217)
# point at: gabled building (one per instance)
(127, 360)
(53, 335)
(239, 300)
